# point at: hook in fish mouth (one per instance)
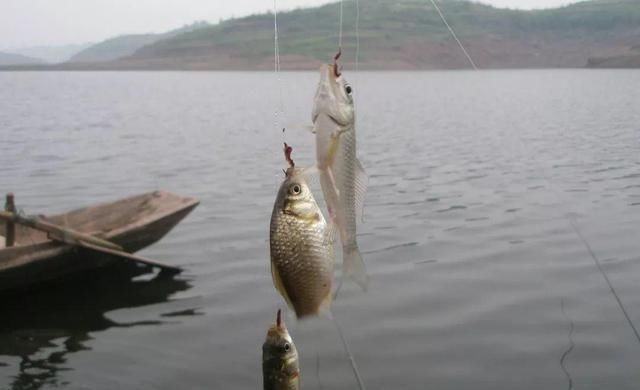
(336, 68)
(279, 318)
(287, 155)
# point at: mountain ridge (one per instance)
(53, 54)
(401, 34)
(121, 46)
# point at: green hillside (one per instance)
(410, 34)
(398, 34)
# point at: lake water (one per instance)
(478, 280)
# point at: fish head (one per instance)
(295, 197)
(278, 346)
(334, 97)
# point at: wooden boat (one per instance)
(132, 223)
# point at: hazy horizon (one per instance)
(72, 22)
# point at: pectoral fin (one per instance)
(331, 193)
(330, 234)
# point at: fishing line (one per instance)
(597, 262)
(320, 387)
(571, 346)
(343, 339)
(604, 275)
(279, 111)
(347, 350)
(576, 229)
(357, 36)
(357, 62)
(341, 18)
(454, 35)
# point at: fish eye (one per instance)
(287, 347)
(295, 189)
(348, 89)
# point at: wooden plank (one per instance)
(57, 232)
(70, 237)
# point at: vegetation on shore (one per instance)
(399, 34)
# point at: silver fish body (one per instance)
(302, 253)
(343, 180)
(280, 366)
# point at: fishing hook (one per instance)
(287, 155)
(336, 69)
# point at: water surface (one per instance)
(476, 273)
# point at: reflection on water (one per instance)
(42, 327)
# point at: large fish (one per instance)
(302, 254)
(343, 180)
(280, 370)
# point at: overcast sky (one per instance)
(26, 23)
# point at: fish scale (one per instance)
(345, 168)
(302, 258)
(343, 180)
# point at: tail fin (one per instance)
(354, 266)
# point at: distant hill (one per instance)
(18, 59)
(114, 48)
(53, 54)
(628, 61)
(125, 45)
(407, 34)
(399, 34)
(631, 59)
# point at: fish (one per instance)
(280, 366)
(342, 177)
(301, 247)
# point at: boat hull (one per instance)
(31, 265)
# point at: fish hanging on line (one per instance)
(343, 180)
(301, 244)
(280, 367)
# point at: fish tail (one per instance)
(324, 311)
(354, 266)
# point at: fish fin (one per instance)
(300, 125)
(330, 192)
(330, 234)
(324, 311)
(334, 145)
(311, 175)
(277, 283)
(354, 266)
(311, 171)
(361, 184)
(338, 287)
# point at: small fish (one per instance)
(280, 370)
(302, 254)
(343, 180)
